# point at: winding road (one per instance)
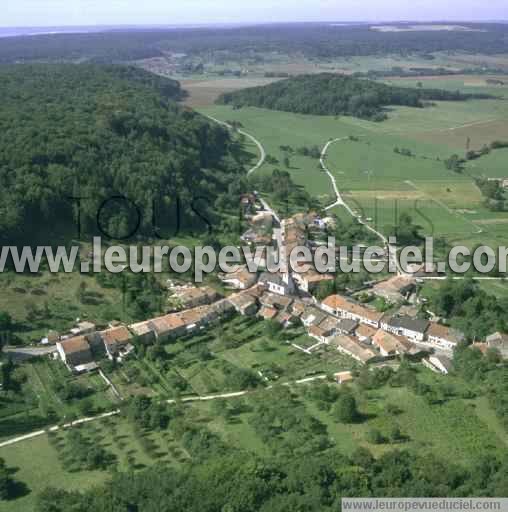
(262, 151)
(392, 250)
(205, 398)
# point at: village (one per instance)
(339, 322)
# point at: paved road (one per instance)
(262, 151)
(37, 433)
(392, 250)
(269, 209)
(206, 398)
(339, 201)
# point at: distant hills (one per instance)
(333, 94)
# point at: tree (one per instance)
(374, 436)
(325, 289)
(81, 292)
(86, 406)
(395, 434)
(455, 164)
(6, 371)
(273, 329)
(5, 481)
(220, 408)
(345, 410)
(5, 321)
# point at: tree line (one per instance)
(314, 41)
(333, 94)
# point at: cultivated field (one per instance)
(381, 184)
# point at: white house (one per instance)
(441, 364)
(277, 283)
(443, 337)
(343, 308)
(412, 328)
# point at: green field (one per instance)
(380, 184)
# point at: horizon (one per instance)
(93, 13)
(100, 27)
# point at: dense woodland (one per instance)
(100, 132)
(243, 483)
(332, 94)
(312, 40)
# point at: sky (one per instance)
(39, 13)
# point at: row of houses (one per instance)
(358, 340)
(173, 325)
(414, 329)
(78, 352)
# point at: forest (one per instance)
(89, 148)
(332, 94)
(311, 40)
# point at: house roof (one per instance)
(498, 338)
(273, 300)
(75, 345)
(445, 333)
(365, 331)
(313, 276)
(313, 315)
(168, 323)
(267, 277)
(193, 316)
(341, 303)
(284, 317)
(315, 330)
(86, 326)
(390, 343)
(298, 307)
(116, 336)
(242, 275)
(141, 328)
(268, 313)
(347, 325)
(353, 347)
(344, 376)
(329, 323)
(242, 300)
(255, 291)
(406, 322)
(394, 285)
(446, 362)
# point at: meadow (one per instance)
(381, 184)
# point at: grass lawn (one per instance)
(42, 302)
(380, 184)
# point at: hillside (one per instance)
(332, 94)
(97, 132)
